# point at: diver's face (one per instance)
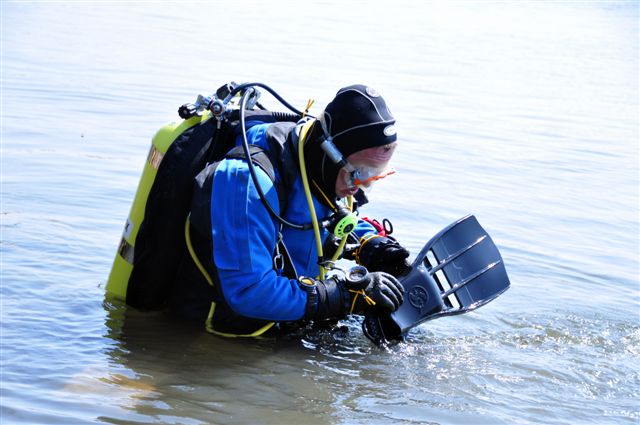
(372, 164)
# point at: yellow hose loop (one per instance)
(209, 327)
(194, 257)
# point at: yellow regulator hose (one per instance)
(312, 210)
(307, 192)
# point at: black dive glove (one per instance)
(384, 254)
(338, 296)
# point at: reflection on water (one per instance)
(174, 365)
(523, 114)
(161, 366)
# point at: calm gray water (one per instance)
(524, 114)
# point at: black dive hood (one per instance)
(356, 119)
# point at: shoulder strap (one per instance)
(261, 159)
(258, 156)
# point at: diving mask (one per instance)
(357, 175)
(363, 176)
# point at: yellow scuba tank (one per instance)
(123, 264)
(153, 248)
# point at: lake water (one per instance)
(522, 113)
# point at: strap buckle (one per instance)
(278, 258)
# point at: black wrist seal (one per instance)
(325, 299)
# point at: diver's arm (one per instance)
(244, 238)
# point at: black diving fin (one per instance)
(458, 270)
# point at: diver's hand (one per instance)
(377, 291)
(384, 254)
(336, 297)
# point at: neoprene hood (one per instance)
(356, 119)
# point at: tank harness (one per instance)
(221, 319)
(198, 239)
(145, 263)
(163, 228)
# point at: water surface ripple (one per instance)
(522, 113)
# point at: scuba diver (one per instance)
(242, 213)
(248, 271)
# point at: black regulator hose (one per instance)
(244, 86)
(252, 170)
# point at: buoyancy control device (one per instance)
(152, 243)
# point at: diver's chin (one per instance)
(347, 192)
